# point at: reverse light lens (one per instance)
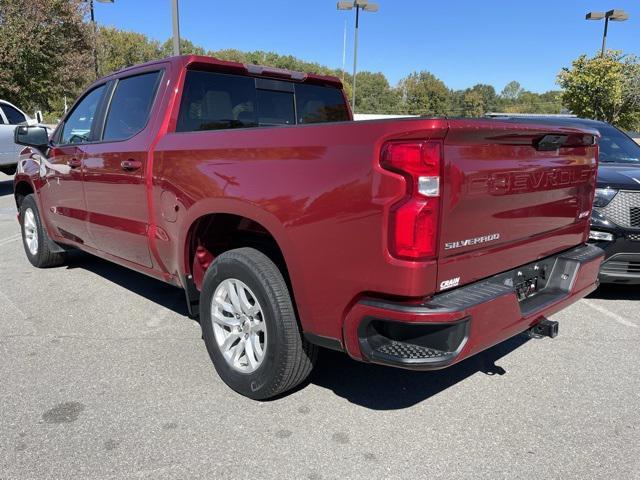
(429, 186)
(414, 220)
(600, 236)
(604, 196)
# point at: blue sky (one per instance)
(463, 42)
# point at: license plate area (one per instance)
(529, 280)
(526, 288)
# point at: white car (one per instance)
(10, 116)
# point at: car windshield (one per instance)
(616, 147)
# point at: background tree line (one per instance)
(46, 57)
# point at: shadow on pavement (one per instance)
(616, 292)
(158, 292)
(383, 388)
(371, 386)
(6, 185)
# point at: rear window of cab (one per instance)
(215, 101)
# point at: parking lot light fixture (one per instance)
(613, 15)
(95, 31)
(365, 6)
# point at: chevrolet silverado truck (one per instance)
(412, 243)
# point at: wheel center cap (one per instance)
(246, 326)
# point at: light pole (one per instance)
(176, 27)
(614, 16)
(95, 33)
(367, 7)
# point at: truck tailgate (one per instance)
(512, 194)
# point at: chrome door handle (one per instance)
(74, 163)
(131, 165)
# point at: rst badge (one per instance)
(472, 241)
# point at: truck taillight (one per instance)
(413, 221)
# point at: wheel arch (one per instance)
(235, 224)
(266, 222)
(21, 188)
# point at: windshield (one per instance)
(616, 147)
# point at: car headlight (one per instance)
(604, 196)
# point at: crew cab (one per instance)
(413, 243)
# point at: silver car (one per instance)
(10, 116)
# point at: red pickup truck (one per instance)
(413, 243)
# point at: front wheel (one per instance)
(250, 328)
(35, 238)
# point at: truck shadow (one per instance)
(6, 186)
(616, 292)
(384, 388)
(370, 386)
(158, 292)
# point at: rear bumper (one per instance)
(451, 326)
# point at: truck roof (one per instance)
(206, 62)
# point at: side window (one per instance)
(317, 104)
(275, 108)
(130, 106)
(214, 101)
(77, 126)
(13, 115)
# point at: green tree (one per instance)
(604, 88)
(473, 104)
(488, 94)
(374, 94)
(424, 94)
(187, 47)
(512, 91)
(118, 49)
(45, 52)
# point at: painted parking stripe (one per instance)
(10, 239)
(614, 316)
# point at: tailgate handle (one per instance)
(554, 142)
(131, 165)
(549, 143)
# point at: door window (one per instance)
(77, 127)
(14, 116)
(130, 106)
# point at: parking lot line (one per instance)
(12, 304)
(12, 238)
(614, 316)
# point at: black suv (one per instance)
(615, 222)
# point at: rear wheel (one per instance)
(250, 328)
(34, 237)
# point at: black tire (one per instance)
(43, 256)
(288, 358)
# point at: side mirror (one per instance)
(38, 116)
(32, 137)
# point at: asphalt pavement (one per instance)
(102, 375)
